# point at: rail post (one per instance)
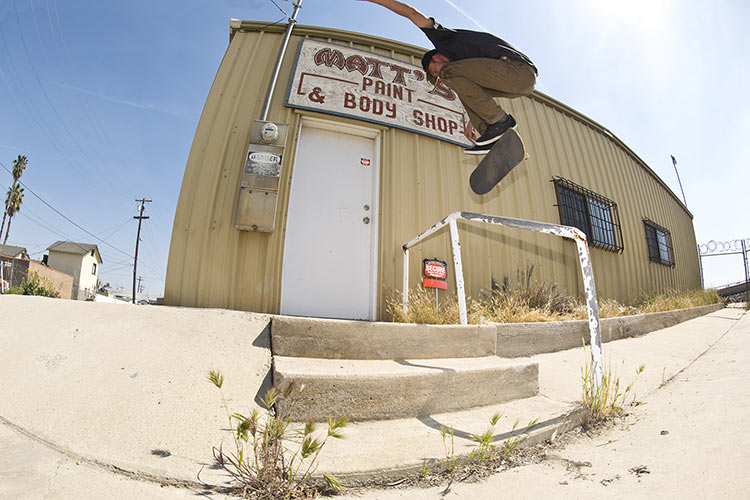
(573, 233)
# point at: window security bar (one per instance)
(592, 213)
(542, 227)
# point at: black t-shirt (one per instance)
(466, 44)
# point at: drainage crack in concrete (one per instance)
(711, 346)
(53, 477)
(135, 475)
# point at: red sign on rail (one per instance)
(435, 274)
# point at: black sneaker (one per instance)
(495, 130)
(478, 150)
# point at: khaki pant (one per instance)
(476, 81)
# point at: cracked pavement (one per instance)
(29, 470)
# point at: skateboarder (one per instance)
(477, 67)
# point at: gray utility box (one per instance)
(259, 188)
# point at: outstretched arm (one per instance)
(406, 11)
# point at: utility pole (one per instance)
(141, 207)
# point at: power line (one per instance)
(119, 165)
(51, 104)
(89, 112)
(114, 230)
(278, 7)
(104, 140)
(65, 216)
(29, 109)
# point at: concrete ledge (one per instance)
(384, 390)
(527, 339)
(340, 339)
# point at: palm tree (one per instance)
(5, 213)
(12, 206)
(19, 165)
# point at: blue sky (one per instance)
(104, 98)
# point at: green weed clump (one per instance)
(607, 401)
(486, 453)
(271, 461)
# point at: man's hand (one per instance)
(406, 11)
(469, 131)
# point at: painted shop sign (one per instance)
(342, 81)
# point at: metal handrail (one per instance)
(542, 227)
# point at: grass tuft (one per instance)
(674, 299)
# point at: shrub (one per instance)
(422, 308)
(528, 300)
(33, 284)
(674, 299)
(536, 295)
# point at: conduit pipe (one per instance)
(277, 67)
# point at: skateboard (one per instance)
(507, 153)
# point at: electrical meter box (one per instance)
(259, 187)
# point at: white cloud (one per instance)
(133, 104)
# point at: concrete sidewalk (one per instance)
(119, 392)
(688, 441)
(124, 386)
(380, 450)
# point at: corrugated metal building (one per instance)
(314, 224)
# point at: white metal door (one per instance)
(330, 242)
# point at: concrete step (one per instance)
(341, 339)
(387, 450)
(389, 389)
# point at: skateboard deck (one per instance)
(504, 156)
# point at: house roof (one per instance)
(74, 248)
(14, 251)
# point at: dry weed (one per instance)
(528, 301)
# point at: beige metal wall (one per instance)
(212, 264)
(560, 143)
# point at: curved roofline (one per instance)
(236, 25)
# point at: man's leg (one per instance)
(477, 81)
(479, 124)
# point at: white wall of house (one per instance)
(81, 267)
(89, 275)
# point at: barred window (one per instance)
(590, 212)
(659, 242)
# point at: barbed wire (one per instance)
(713, 247)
